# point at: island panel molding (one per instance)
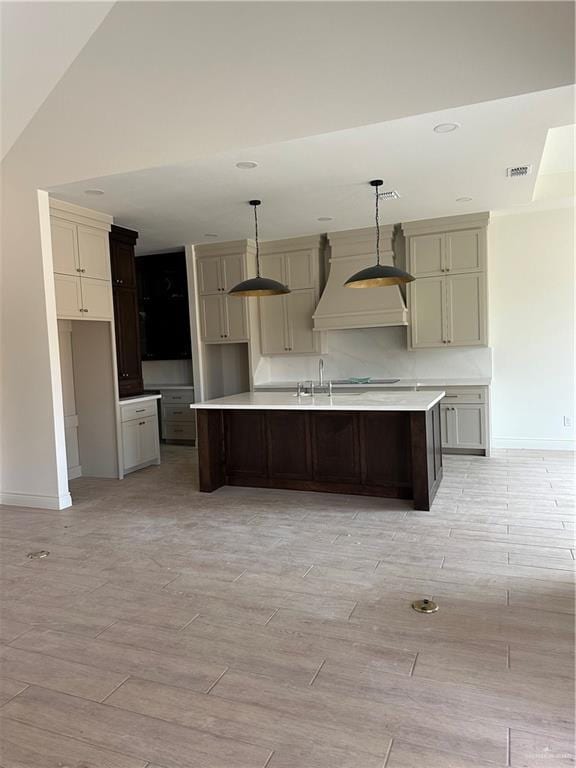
(373, 450)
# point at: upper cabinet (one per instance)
(219, 267)
(286, 322)
(81, 259)
(443, 252)
(448, 300)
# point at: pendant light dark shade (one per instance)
(258, 286)
(379, 275)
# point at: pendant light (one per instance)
(258, 286)
(378, 275)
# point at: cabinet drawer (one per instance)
(464, 395)
(138, 410)
(177, 395)
(177, 413)
(172, 430)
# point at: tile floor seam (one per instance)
(315, 675)
(114, 689)
(215, 683)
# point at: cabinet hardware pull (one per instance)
(78, 269)
(140, 410)
(450, 395)
(140, 423)
(82, 270)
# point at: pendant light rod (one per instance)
(255, 204)
(258, 286)
(377, 183)
(378, 276)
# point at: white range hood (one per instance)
(342, 308)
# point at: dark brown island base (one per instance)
(376, 444)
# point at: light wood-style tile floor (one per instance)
(252, 628)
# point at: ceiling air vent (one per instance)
(392, 195)
(518, 170)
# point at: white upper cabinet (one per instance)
(81, 259)
(94, 252)
(219, 267)
(427, 313)
(465, 251)
(466, 309)
(209, 276)
(286, 322)
(426, 255)
(448, 301)
(64, 247)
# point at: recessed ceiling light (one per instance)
(446, 127)
(246, 165)
(463, 199)
(93, 191)
(210, 234)
(325, 218)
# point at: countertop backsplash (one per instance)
(380, 353)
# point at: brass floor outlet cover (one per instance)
(425, 606)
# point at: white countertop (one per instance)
(400, 384)
(362, 401)
(138, 399)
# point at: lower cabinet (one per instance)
(178, 419)
(140, 439)
(464, 426)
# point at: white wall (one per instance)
(380, 353)
(531, 284)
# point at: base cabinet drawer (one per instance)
(177, 396)
(172, 430)
(177, 412)
(137, 410)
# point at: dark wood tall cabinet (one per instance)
(126, 318)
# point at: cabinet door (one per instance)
(469, 426)
(96, 299)
(273, 334)
(273, 266)
(427, 312)
(147, 439)
(235, 322)
(123, 267)
(64, 247)
(94, 252)
(68, 296)
(211, 323)
(232, 271)
(466, 309)
(131, 444)
(300, 308)
(299, 268)
(208, 271)
(427, 255)
(127, 341)
(465, 250)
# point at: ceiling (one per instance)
(164, 83)
(52, 33)
(326, 176)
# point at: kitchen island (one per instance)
(369, 443)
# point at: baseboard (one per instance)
(74, 472)
(534, 443)
(36, 502)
